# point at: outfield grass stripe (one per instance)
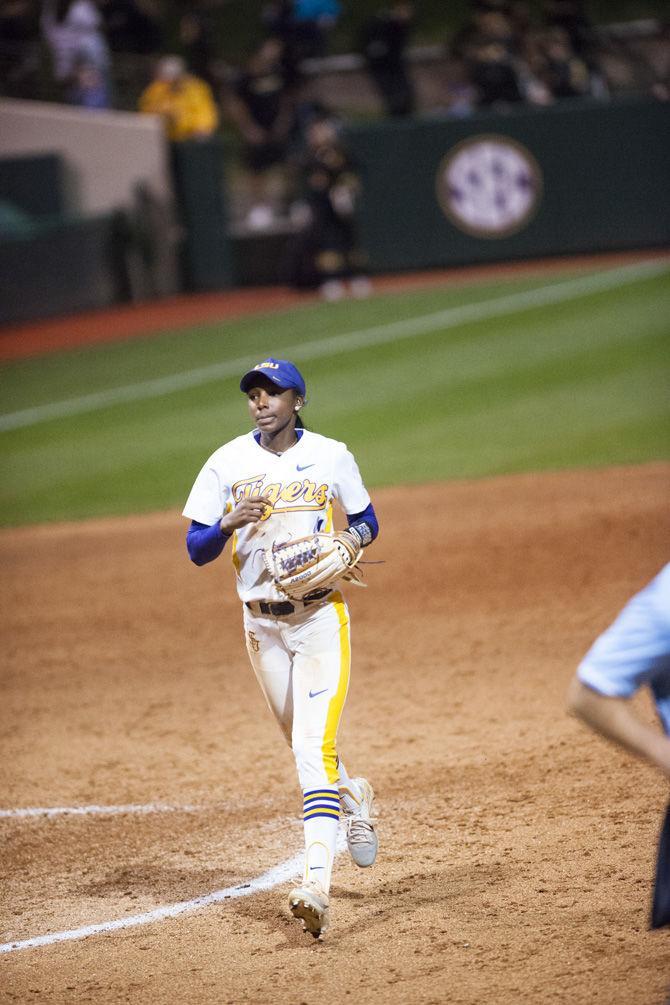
(450, 317)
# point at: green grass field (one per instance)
(430, 385)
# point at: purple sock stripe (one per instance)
(326, 799)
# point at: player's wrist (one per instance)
(361, 533)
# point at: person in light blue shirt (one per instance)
(315, 10)
(634, 652)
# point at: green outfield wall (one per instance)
(575, 177)
(205, 254)
(530, 182)
(63, 266)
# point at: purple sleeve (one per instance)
(205, 543)
(368, 518)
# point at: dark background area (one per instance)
(239, 21)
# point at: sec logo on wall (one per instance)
(489, 186)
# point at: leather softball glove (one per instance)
(306, 564)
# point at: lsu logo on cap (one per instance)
(281, 372)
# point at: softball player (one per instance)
(634, 652)
(273, 484)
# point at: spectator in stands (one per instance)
(89, 88)
(521, 20)
(73, 30)
(658, 66)
(326, 253)
(277, 16)
(185, 102)
(493, 66)
(460, 94)
(304, 26)
(20, 56)
(565, 74)
(280, 23)
(130, 26)
(307, 108)
(261, 105)
(314, 21)
(571, 16)
(497, 51)
(198, 42)
(383, 43)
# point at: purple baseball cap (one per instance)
(281, 372)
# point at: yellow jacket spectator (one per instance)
(185, 102)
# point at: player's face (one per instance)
(272, 408)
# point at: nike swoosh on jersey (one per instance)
(304, 466)
(314, 694)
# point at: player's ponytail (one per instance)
(299, 424)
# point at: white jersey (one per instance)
(635, 649)
(302, 483)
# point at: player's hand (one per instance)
(247, 511)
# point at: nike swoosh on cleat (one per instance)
(313, 694)
(304, 466)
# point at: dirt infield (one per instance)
(139, 320)
(516, 849)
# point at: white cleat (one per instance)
(360, 287)
(309, 903)
(332, 290)
(361, 837)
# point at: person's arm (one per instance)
(364, 524)
(614, 719)
(237, 110)
(205, 543)
(285, 117)
(152, 100)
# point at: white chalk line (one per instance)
(451, 317)
(279, 874)
(282, 873)
(74, 811)
(48, 812)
